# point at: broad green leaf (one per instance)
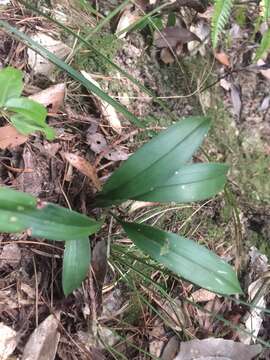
(264, 45)
(157, 161)
(30, 116)
(26, 127)
(76, 263)
(192, 182)
(11, 84)
(185, 257)
(19, 212)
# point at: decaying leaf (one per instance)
(171, 36)
(202, 295)
(52, 97)
(236, 100)
(43, 342)
(202, 30)
(10, 255)
(107, 110)
(257, 292)
(217, 349)
(10, 137)
(225, 84)
(157, 338)
(31, 181)
(97, 142)
(223, 59)
(171, 348)
(84, 167)
(136, 205)
(8, 341)
(166, 56)
(99, 145)
(99, 267)
(106, 337)
(265, 73)
(41, 65)
(197, 5)
(265, 103)
(127, 18)
(208, 14)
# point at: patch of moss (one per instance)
(88, 60)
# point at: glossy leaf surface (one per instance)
(154, 163)
(76, 263)
(192, 182)
(20, 211)
(185, 257)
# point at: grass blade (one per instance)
(70, 71)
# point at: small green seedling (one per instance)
(25, 114)
(160, 171)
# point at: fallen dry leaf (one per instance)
(8, 341)
(136, 205)
(205, 315)
(157, 338)
(173, 35)
(97, 142)
(10, 137)
(217, 349)
(10, 255)
(99, 145)
(127, 18)
(202, 295)
(37, 62)
(265, 73)
(30, 181)
(208, 14)
(116, 155)
(171, 349)
(225, 84)
(107, 110)
(236, 100)
(84, 167)
(223, 59)
(194, 4)
(265, 103)
(166, 56)
(202, 30)
(43, 342)
(52, 97)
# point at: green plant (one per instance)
(25, 114)
(221, 15)
(159, 171)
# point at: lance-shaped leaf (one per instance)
(185, 257)
(30, 116)
(20, 211)
(75, 264)
(192, 182)
(154, 163)
(11, 84)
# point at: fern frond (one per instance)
(222, 10)
(265, 9)
(264, 45)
